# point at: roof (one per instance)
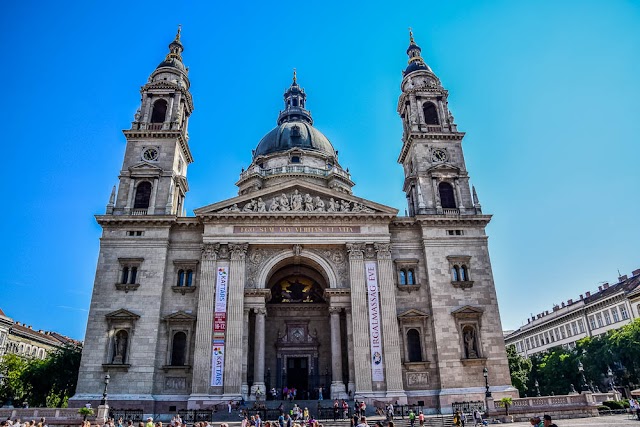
(294, 134)
(52, 338)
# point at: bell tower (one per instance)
(153, 179)
(436, 179)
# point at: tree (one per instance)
(625, 347)
(507, 401)
(12, 387)
(520, 368)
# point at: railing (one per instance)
(126, 414)
(154, 126)
(191, 417)
(34, 413)
(257, 170)
(139, 212)
(450, 211)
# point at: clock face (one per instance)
(150, 154)
(439, 155)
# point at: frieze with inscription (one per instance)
(295, 229)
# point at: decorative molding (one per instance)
(126, 287)
(238, 251)
(210, 251)
(185, 368)
(383, 250)
(115, 367)
(468, 312)
(184, 289)
(466, 284)
(355, 250)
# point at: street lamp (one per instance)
(485, 373)
(537, 388)
(585, 386)
(104, 393)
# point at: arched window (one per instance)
(125, 275)
(403, 277)
(447, 199)
(143, 195)
(159, 111)
(410, 278)
(180, 278)
(430, 113)
(413, 346)
(455, 273)
(189, 278)
(464, 275)
(178, 349)
(133, 275)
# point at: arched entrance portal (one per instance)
(303, 342)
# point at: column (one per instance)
(127, 208)
(152, 202)
(360, 322)
(459, 194)
(337, 386)
(351, 386)
(244, 389)
(390, 337)
(204, 321)
(436, 193)
(235, 315)
(258, 353)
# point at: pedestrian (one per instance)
(477, 417)
(363, 422)
(535, 421)
(421, 419)
(456, 419)
(412, 418)
(548, 422)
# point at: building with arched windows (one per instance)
(297, 281)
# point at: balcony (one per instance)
(139, 212)
(294, 169)
(450, 211)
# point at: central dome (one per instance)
(296, 134)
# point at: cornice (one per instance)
(408, 140)
(454, 220)
(317, 217)
(146, 220)
(165, 134)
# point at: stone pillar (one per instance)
(258, 354)
(360, 322)
(390, 335)
(244, 389)
(235, 314)
(204, 320)
(351, 386)
(152, 202)
(436, 193)
(127, 208)
(337, 385)
(459, 194)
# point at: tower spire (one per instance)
(415, 56)
(294, 104)
(295, 78)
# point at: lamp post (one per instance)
(485, 373)
(104, 393)
(537, 388)
(585, 386)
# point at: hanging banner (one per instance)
(377, 372)
(219, 327)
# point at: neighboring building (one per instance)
(23, 340)
(296, 282)
(611, 307)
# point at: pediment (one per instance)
(412, 313)
(468, 311)
(122, 314)
(179, 316)
(144, 167)
(296, 198)
(444, 168)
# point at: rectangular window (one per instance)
(607, 318)
(537, 341)
(546, 338)
(623, 311)
(562, 332)
(528, 344)
(574, 328)
(518, 347)
(581, 326)
(614, 313)
(592, 322)
(599, 320)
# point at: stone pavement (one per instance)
(608, 420)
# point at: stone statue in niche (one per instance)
(469, 335)
(120, 348)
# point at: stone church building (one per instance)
(297, 281)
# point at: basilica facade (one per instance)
(297, 281)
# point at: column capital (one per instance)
(210, 251)
(383, 250)
(335, 310)
(356, 250)
(238, 251)
(260, 311)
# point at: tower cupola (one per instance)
(415, 56)
(174, 57)
(294, 103)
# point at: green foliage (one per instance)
(507, 401)
(520, 367)
(557, 368)
(49, 382)
(613, 404)
(84, 411)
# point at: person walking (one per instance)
(421, 419)
(412, 418)
(548, 422)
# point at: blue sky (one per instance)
(546, 90)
